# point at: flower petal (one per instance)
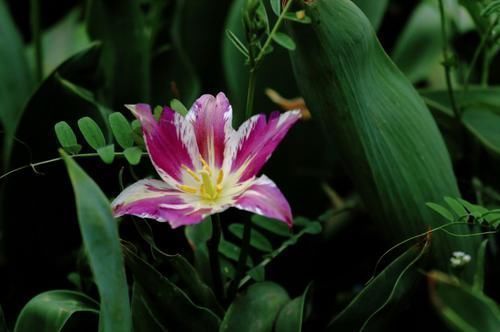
(263, 197)
(253, 144)
(211, 118)
(170, 142)
(157, 200)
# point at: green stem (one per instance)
(213, 250)
(250, 93)
(37, 38)
(449, 85)
(478, 51)
(240, 267)
(272, 33)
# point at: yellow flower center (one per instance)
(209, 187)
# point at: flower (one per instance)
(459, 259)
(205, 165)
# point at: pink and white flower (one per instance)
(205, 165)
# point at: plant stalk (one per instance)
(213, 251)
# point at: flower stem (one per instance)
(37, 38)
(446, 63)
(240, 267)
(213, 251)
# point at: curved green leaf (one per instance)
(256, 309)
(374, 10)
(107, 153)
(291, 317)
(53, 310)
(387, 290)
(66, 137)
(274, 226)
(102, 243)
(142, 315)
(462, 308)
(17, 81)
(483, 124)
(284, 40)
(133, 155)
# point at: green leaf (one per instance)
(483, 124)
(57, 310)
(91, 132)
(142, 313)
(168, 303)
(107, 153)
(17, 82)
(232, 251)
(422, 35)
(126, 73)
(178, 106)
(274, 226)
(257, 240)
(387, 290)
(456, 206)
(121, 129)
(256, 309)
(460, 307)
(197, 236)
(276, 7)
(192, 284)
(284, 40)
(310, 227)
(291, 317)
(480, 260)
(66, 137)
(133, 155)
(441, 210)
(374, 10)
(102, 243)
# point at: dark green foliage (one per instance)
(100, 238)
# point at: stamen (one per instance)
(220, 177)
(187, 189)
(190, 172)
(207, 184)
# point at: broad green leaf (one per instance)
(100, 237)
(483, 124)
(126, 48)
(271, 225)
(66, 137)
(65, 38)
(387, 290)
(142, 315)
(284, 40)
(168, 303)
(291, 317)
(257, 240)
(422, 35)
(178, 106)
(256, 309)
(462, 308)
(121, 129)
(107, 153)
(276, 7)
(133, 155)
(17, 82)
(374, 10)
(91, 132)
(441, 210)
(480, 261)
(56, 310)
(375, 119)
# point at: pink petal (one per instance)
(211, 118)
(155, 199)
(170, 142)
(256, 139)
(264, 198)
